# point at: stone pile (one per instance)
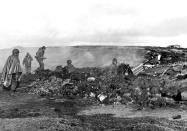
(106, 88)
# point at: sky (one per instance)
(92, 22)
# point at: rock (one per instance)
(51, 98)
(102, 97)
(90, 79)
(34, 114)
(176, 117)
(184, 95)
(59, 68)
(181, 76)
(117, 103)
(169, 100)
(127, 94)
(154, 99)
(67, 81)
(158, 95)
(92, 94)
(138, 91)
(73, 124)
(57, 110)
(60, 100)
(118, 98)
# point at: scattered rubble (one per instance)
(121, 89)
(161, 55)
(160, 84)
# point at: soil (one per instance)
(25, 112)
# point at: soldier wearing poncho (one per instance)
(27, 61)
(11, 73)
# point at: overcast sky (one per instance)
(106, 22)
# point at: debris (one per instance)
(59, 100)
(102, 97)
(147, 89)
(176, 117)
(181, 76)
(184, 95)
(124, 69)
(92, 94)
(167, 55)
(169, 100)
(90, 79)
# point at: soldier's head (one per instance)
(43, 47)
(114, 61)
(15, 52)
(27, 54)
(69, 62)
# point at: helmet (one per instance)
(43, 47)
(15, 51)
(69, 61)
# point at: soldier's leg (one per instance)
(26, 69)
(16, 86)
(41, 65)
(29, 69)
(14, 82)
(39, 62)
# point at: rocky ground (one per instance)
(25, 112)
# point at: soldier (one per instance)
(40, 57)
(114, 66)
(11, 73)
(27, 61)
(70, 67)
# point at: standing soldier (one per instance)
(11, 73)
(40, 57)
(114, 66)
(27, 63)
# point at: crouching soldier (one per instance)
(69, 68)
(11, 73)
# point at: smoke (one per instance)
(81, 56)
(97, 56)
(132, 56)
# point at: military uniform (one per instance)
(40, 57)
(27, 63)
